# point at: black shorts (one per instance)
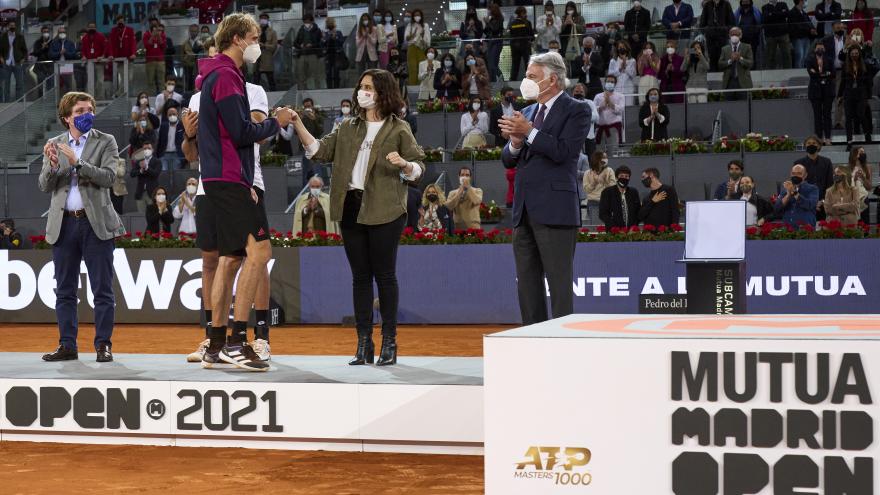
(236, 216)
(206, 224)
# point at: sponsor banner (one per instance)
(686, 416)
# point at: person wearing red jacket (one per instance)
(863, 18)
(155, 46)
(122, 46)
(94, 49)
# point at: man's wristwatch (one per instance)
(79, 165)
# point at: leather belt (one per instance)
(75, 214)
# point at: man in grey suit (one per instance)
(736, 61)
(79, 169)
(546, 139)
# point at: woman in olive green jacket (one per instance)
(374, 154)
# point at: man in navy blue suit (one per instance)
(545, 141)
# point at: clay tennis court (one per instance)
(30, 468)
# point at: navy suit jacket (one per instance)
(546, 169)
(685, 17)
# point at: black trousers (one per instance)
(714, 49)
(854, 110)
(372, 255)
(822, 117)
(540, 250)
(519, 55)
(117, 202)
(270, 78)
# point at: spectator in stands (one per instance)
(507, 106)
(192, 49)
(548, 31)
(332, 40)
(821, 91)
(758, 208)
(660, 206)
(696, 68)
(312, 209)
(9, 238)
(610, 105)
(777, 51)
(493, 30)
(591, 68)
(265, 65)
(637, 23)
(447, 79)
(169, 150)
(143, 132)
(145, 168)
(63, 49)
(471, 28)
(94, 49)
(861, 178)
(398, 68)
(648, 68)
(14, 49)
(801, 30)
(79, 70)
(141, 105)
(464, 202)
(123, 45)
(344, 113)
(155, 44)
(619, 203)
(475, 79)
(729, 189)
(827, 13)
(672, 74)
(748, 19)
(678, 18)
(716, 20)
(797, 203)
(307, 51)
(170, 52)
(572, 31)
(872, 66)
(736, 62)
(521, 36)
(427, 70)
(863, 20)
(120, 189)
(433, 214)
(159, 215)
(654, 117)
(410, 119)
(40, 54)
(418, 38)
(550, 10)
(843, 202)
(855, 88)
(169, 94)
(185, 211)
(835, 44)
(597, 179)
(367, 39)
(607, 42)
(623, 68)
(401, 31)
(580, 93)
(818, 168)
(389, 29)
(474, 125)
(381, 40)
(314, 123)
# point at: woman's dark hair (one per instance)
(648, 93)
(571, 5)
(448, 56)
(389, 13)
(156, 193)
(476, 99)
(361, 28)
(495, 10)
(651, 45)
(418, 12)
(625, 46)
(143, 94)
(596, 161)
(431, 49)
(387, 94)
(854, 65)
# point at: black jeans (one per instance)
(372, 255)
(854, 108)
(822, 117)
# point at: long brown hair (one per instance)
(363, 31)
(596, 161)
(847, 178)
(855, 164)
(387, 94)
(855, 66)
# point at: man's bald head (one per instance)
(799, 171)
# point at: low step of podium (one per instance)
(421, 405)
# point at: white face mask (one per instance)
(169, 88)
(346, 110)
(316, 191)
(160, 198)
(144, 101)
(649, 52)
(191, 189)
(637, 4)
(62, 35)
(143, 124)
(417, 18)
(251, 53)
(554, 50)
(45, 36)
(734, 39)
(857, 38)
(462, 179)
(431, 56)
(604, 162)
(148, 154)
(365, 22)
(475, 106)
(172, 119)
(670, 51)
(570, 12)
(609, 86)
(365, 99)
(530, 89)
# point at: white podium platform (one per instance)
(628, 404)
(421, 405)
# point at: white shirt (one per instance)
(259, 102)
(615, 113)
(74, 199)
(838, 47)
(362, 162)
(594, 118)
(507, 110)
(751, 210)
(172, 135)
(531, 137)
(160, 100)
(10, 57)
(187, 217)
(468, 127)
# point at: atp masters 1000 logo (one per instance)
(561, 465)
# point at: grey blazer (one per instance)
(96, 177)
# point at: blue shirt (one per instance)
(74, 199)
(801, 210)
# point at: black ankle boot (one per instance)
(365, 350)
(389, 351)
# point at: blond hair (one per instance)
(68, 101)
(441, 198)
(232, 25)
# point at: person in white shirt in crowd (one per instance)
(142, 105)
(623, 68)
(427, 68)
(610, 105)
(548, 27)
(185, 211)
(597, 179)
(169, 148)
(580, 93)
(168, 94)
(464, 202)
(312, 210)
(344, 113)
(758, 209)
(474, 125)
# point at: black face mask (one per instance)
(812, 149)
(863, 159)
(622, 182)
(796, 180)
(432, 197)
(578, 96)
(840, 33)
(588, 50)
(838, 179)
(509, 99)
(646, 182)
